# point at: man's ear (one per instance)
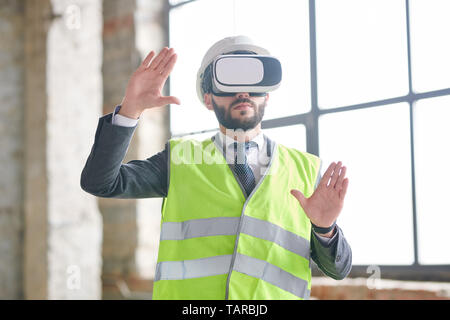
(207, 97)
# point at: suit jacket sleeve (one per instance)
(334, 258)
(104, 175)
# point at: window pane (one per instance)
(430, 44)
(361, 51)
(267, 24)
(194, 27)
(374, 145)
(289, 136)
(432, 156)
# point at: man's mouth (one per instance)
(243, 106)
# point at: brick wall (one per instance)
(12, 84)
(120, 59)
(378, 289)
(153, 132)
(131, 29)
(35, 264)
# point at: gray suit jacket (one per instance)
(104, 175)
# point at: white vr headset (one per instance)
(256, 74)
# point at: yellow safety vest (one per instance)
(216, 243)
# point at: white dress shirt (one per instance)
(120, 120)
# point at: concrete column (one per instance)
(74, 86)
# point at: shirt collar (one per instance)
(258, 139)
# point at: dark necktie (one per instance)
(241, 167)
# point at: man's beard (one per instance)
(224, 115)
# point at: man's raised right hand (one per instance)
(144, 90)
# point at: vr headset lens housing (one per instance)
(256, 74)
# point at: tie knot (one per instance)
(247, 145)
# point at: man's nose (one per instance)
(242, 95)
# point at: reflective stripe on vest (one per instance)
(272, 274)
(187, 269)
(229, 226)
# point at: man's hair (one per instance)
(207, 75)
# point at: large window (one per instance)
(364, 81)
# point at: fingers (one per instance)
(163, 63)
(338, 185)
(326, 176)
(161, 55)
(335, 175)
(344, 189)
(147, 59)
(300, 197)
(165, 60)
(169, 100)
(167, 69)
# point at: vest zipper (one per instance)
(273, 154)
